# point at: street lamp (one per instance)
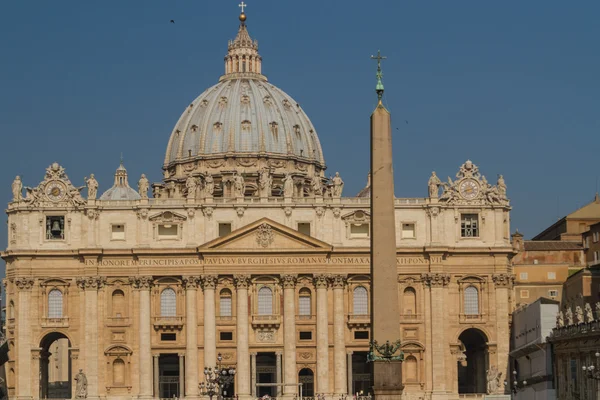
(216, 379)
(593, 371)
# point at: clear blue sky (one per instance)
(511, 85)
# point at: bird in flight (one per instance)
(172, 21)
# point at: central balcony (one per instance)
(117, 321)
(359, 320)
(266, 321)
(168, 323)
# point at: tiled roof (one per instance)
(543, 245)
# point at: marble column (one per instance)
(254, 374)
(278, 371)
(339, 339)
(289, 334)
(321, 284)
(243, 357)
(437, 283)
(503, 283)
(209, 283)
(91, 285)
(191, 336)
(143, 284)
(182, 375)
(349, 375)
(156, 377)
(24, 344)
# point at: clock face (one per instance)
(55, 191)
(469, 189)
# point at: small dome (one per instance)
(120, 189)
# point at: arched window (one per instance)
(225, 303)
(168, 303)
(471, 300)
(118, 372)
(410, 369)
(265, 301)
(304, 307)
(307, 378)
(361, 302)
(409, 301)
(55, 304)
(118, 303)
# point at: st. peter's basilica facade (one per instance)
(247, 250)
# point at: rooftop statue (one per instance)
(17, 189)
(92, 187)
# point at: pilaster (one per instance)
(24, 342)
(191, 344)
(209, 283)
(339, 341)
(143, 284)
(289, 333)
(243, 357)
(321, 283)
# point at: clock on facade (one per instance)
(469, 189)
(55, 191)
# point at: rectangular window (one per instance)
(553, 293)
(586, 242)
(225, 306)
(596, 256)
(469, 225)
(168, 231)
(596, 237)
(304, 228)
(551, 275)
(117, 232)
(360, 335)
(168, 337)
(359, 230)
(524, 276)
(408, 231)
(524, 294)
(306, 335)
(55, 227)
(304, 305)
(224, 228)
(226, 336)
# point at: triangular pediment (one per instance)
(266, 235)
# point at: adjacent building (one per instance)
(572, 226)
(247, 250)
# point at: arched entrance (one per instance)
(472, 371)
(55, 367)
(307, 378)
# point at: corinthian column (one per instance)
(209, 282)
(23, 335)
(320, 282)
(339, 339)
(90, 285)
(191, 337)
(143, 284)
(243, 362)
(289, 334)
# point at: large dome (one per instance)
(246, 116)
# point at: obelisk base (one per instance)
(387, 378)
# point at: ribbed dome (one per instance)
(244, 116)
(121, 189)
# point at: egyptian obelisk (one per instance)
(385, 315)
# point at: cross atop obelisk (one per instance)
(379, 87)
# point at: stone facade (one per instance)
(147, 291)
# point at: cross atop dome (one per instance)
(242, 5)
(242, 55)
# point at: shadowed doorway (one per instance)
(472, 372)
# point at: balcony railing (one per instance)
(305, 318)
(169, 323)
(225, 320)
(411, 317)
(266, 321)
(118, 321)
(359, 320)
(62, 322)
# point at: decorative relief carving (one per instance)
(240, 211)
(55, 189)
(321, 281)
(473, 188)
(265, 235)
(338, 281)
(276, 163)
(503, 280)
(288, 211)
(208, 211)
(91, 282)
(13, 233)
(24, 283)
(265, 336)
(215, 163)
(191, 282)
(319, 211)
(435, 279)
(141, 282)
(92, 214)
(142, 213)
(209, 281)
(241, 281)
(337, 212)
(305, 355)
(289, 281)
(246, 162)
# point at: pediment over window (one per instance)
(54, 282)
(167, 216)
(118, 350)
(471, 279)
(266, 235)
(357, 217)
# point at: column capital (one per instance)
(156, 355)
(289, 281)
(24, 283)
(503, 280)
(91, 282)
(209, 281)
(191, 282)
(241, 281)
(436, 279)
(321, 281)
(338, 281)
(141, 282)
